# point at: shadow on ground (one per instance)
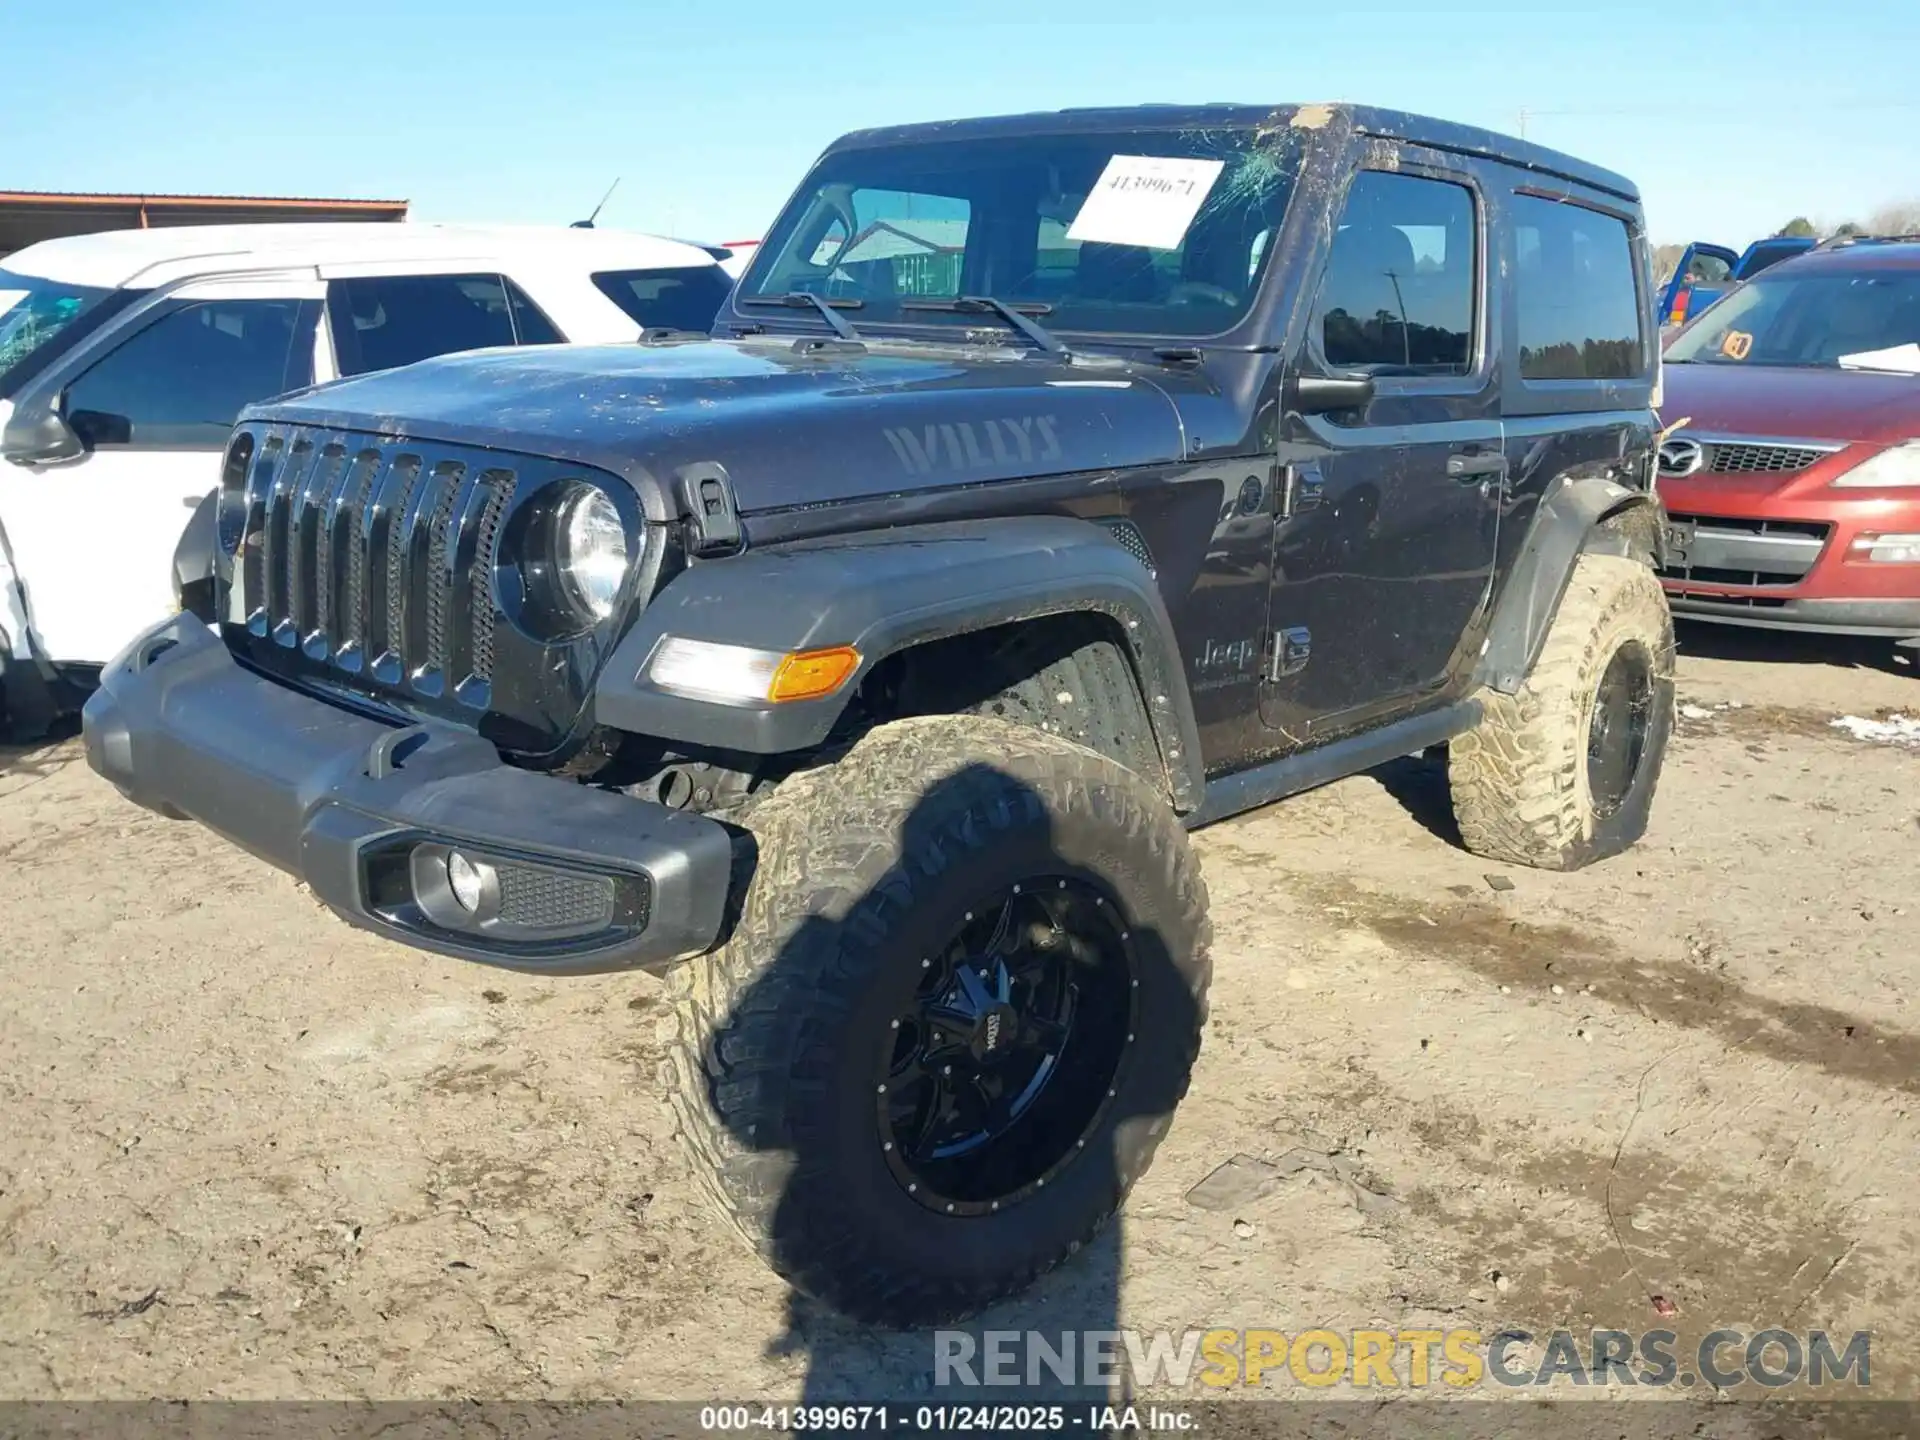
(1084, 930)
(1784, 647)
(39, 758)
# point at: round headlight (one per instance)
(592, 557)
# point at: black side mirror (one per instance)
(1321, 394)
(41, 438)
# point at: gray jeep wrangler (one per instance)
(1049, 486)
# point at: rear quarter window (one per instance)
(383, 321)
(1574, 292)
(677, 298)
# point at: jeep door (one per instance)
(152, 403)
(1383, 557)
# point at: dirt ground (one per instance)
(248, 1152)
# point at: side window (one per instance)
(530, 323)
(382, 321)
(682, 298)
(1706, 269)
(1398, 297)
(1579, 311)
(184, 379)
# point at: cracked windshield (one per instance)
(1145, 232)
(34, 310)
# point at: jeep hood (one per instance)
(791, 426)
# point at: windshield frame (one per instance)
(1714, 320)
(99, 305)
(1247, 329)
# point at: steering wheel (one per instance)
(1190, 292)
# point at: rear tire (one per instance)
(1562, 773)
(798, 1051)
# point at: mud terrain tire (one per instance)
(782, 1042)
(1562, 773)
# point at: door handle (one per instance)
(1469, 467)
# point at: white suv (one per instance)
(125, 357)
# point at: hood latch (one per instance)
(713, 521)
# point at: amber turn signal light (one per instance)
(809, 674)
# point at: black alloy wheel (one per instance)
(1617, 734)
(1002, 1068)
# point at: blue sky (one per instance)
(1733, 115)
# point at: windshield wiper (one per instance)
(1014, 315)
(805, 300)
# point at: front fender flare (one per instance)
(886, 591)
(1570, 521)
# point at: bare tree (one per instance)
(1899, 219)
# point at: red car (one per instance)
(1792, 486)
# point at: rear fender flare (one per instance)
(884, 592)
(1583, 516)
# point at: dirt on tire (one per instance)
(1520, 777)
(848, 854)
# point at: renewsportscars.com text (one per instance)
(1393, 1359)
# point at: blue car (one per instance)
(1706, 272)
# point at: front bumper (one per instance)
(1888, 619)
(1781, 554)
(580, 880)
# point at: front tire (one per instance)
(963, 998)
(1562, 773)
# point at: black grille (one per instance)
(353, 595)
(376, 561)
(1742, 550)
(1808, 529)
(1756, 459)
(392, 533)
(446, 479)
(1735, 602)
(1720, 575)
(498, 485)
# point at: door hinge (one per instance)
(1301, 489)
(1288, 652)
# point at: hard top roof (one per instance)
(1368, 119)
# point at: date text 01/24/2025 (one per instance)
(1040, 1419)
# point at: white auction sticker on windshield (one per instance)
(10, 298)
(1145, 200)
